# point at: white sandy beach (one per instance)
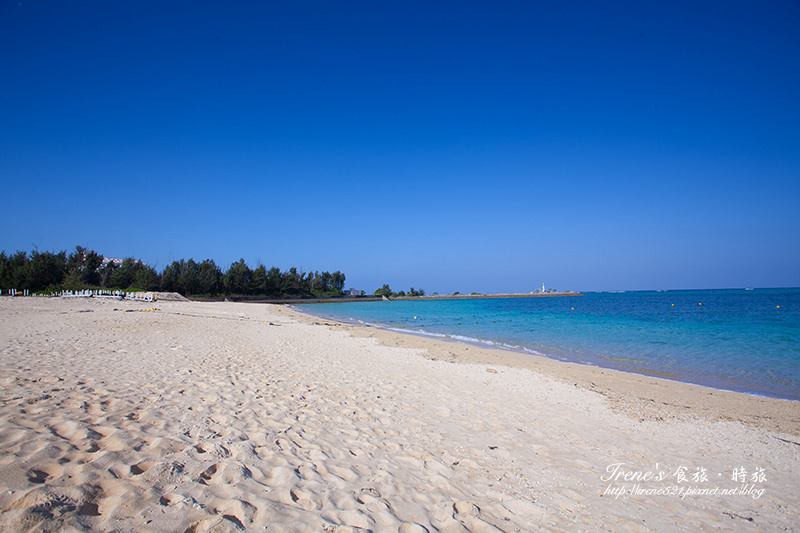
(244, 417)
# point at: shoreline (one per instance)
(647, 396)
(372, 298)
(191, 416)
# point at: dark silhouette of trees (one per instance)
(184, 277)
(237, 279)
(290, 282)
(258, 281)
(386, 291)
(123, 275)
(13, 270)
(273, 281)
(146, 278)
(130, 274)
(188, 277)
(46, 270)
(210, 277)
(82, 269)
(86, 269)
(40, 269)
(337, 281)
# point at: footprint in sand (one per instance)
(464, 509)
(170, 499)
(304, 499)
(44, 515)
(222, 474)
(306, 471)
(45, 510)
(89, 509)
(141, 468)
(37, 476)
(215, 449)
(216, 524)
(367, 494)
(208, 474)
(283, 444)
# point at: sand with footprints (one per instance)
(189, 416)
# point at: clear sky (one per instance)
(450, 146)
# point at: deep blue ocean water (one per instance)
(737, 339)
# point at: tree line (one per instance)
(389, 293)
(86, 269)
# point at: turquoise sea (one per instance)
(745, 340)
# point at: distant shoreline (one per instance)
(479, 296)
(350, 299)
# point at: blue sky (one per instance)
(449, 146)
